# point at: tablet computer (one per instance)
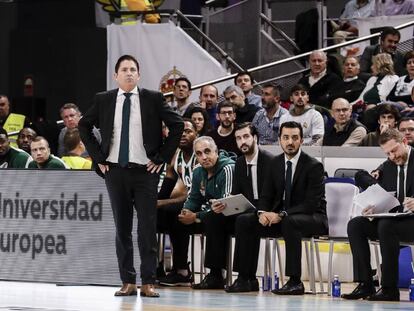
(235, 204)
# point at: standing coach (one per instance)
(130, 157)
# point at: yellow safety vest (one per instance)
(77, 163)
(14, 123)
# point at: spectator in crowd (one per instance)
(200, 118)
(224, 135)
(406, 128)
(355, 9)
(71, 115)
(208, 101)
(267, 120)
(389, 39)
(211, 180)
(249, 176)
(397, 177)
(281, 211)
(42, 158)
(245, 111)
(346, 132)
(388, 117)
(11, 122)
(182, 93)
(75, 148)
(352, 84)
(11, 157)
(398, 7)
(322, 83)
(174, 191)
(403, 89)
(382, 81)
(25, 137)
(302, 112)
(244, 80)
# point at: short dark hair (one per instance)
(389, 134)
(389, 31)
(185, 80)
(225, 103)
(405, 119)
(407, 56)
(243, 73)
(276, 88)
(389, 109)
(126, 57)
(192, 123)
(71, 139)
(291, 125)
(298, 87)
(249, 125)
(3, 131)
(69, 106)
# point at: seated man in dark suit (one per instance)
(292, 204)
(322, 83)
(249, 173)
(396, 175)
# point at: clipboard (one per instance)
(235, 204)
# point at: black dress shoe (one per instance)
(363, 290)
(385, 294)
(239, 286)
(290, 288)
(210, 282)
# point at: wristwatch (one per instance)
(283, 214)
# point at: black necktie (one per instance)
(288, 183)
(401, 188)
(123, 157)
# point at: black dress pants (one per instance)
(217, 228)
(390, 232)
(130, 188)
(292, 228)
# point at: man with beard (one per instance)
(249, 176)
(292, 205)
(301, 111)
(389, 39)
(174, 191)
(245, 111)
(25, 138)
(224, 134)
(267, 120)
(211, 180)
(11, 157)
(396, 176)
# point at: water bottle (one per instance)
(265, 284)
(411, 290)
(336, 287)
(276, 280)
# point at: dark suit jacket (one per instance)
(322, 92)
(154, 110)
(389, 176)
(241, 182)
(366, 62)
(308, 188)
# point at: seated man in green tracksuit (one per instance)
(211, 180)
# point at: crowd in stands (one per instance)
(219, 155)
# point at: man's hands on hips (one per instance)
(154, 168)
(269, 218)
(409, 204)
(187, 217)
(104, 168)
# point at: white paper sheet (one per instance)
(375, 196)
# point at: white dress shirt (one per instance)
(137, 153)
